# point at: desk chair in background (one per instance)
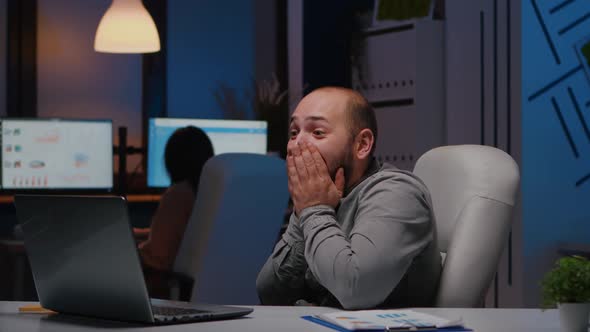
(237, 215)
(473, 191)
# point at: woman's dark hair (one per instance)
(186, 152)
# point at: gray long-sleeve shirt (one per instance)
(377, 249)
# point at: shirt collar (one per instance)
(373, 168)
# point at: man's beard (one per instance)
(345, 162)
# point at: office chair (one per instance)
(473, 191)
(238, 212)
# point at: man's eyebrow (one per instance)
(316, 118)
(310, 118)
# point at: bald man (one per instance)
(362, 235)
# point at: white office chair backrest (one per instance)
(473, 189)
(238, 212)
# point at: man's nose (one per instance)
(293, 143)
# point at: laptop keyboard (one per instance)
(172, 311)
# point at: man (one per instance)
(361, 235)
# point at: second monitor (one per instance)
(56, 154)
(225, 135)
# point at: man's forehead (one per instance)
(320, 109)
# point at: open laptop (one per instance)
(85, 262)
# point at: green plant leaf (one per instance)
(568, 281)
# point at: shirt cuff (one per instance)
(293, 233)
(312, 215)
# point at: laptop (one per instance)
(85, 262)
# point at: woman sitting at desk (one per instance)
(186, 152)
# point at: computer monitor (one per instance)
(47, 154)
(225, 135)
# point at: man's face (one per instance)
(320, 119)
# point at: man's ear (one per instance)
(364, 143)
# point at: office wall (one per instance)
(265, 38)
(483, 104)
(295, 51)
(210, 43)
(555, 135)
(3, 58)
(74, 81)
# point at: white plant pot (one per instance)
(574, 316)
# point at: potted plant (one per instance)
(567, 285)
(270, 103)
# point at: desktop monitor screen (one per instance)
(225, 135)
(40, 154)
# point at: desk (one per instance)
(275, 319)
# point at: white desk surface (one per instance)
(275, 319)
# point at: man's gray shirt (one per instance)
(376, 250)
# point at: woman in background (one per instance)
(186, 152)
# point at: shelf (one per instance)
(144, 198)
(137, 198)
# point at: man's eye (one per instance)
(293, 133)
(318, 132)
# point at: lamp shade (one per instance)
(127, 27)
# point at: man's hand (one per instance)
(309, 180)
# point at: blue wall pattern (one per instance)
(209, 42)
(555, 127)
